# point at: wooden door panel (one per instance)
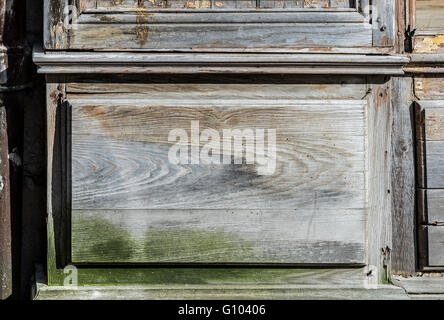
(436, 246)
(430, 175)
(130, 204)
(431, 206)
(218, 26)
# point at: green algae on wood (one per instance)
(97, 240)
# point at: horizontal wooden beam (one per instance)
(290, 284)
(137, 62)
(219, 292)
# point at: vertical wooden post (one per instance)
(403, 178)
(5, 212)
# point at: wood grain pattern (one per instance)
(120, 161)
(58, 187)
(430, 172)
(321, 24)
(427, 286)
(221, 17)
(429, 14)
(86, 4)
(384, 292)
(430, 120)
(384, 28)
(299, 236)
(311, 138)
(230, 276)
(54, 32)
(429, 87)
(225, 4)
(431, 206)
(256, 87)
(430, 162)
(219, 283)
(429, 43)
(403, 178)
(436, 246)
(220, 36)
(228, 63)
(379, 164)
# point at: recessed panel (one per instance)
(218, 181)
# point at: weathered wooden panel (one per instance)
(131, 4)
(431, 206)
(311, 138)
(384, 23)
(86, 4)
(227, 63)
(55, 32)
(429, 44)
(430, 161)
(429, 14)
(255, 87)
(195, 36)
(403, 254)
(120, 161)
(265, 4)
(379, 223)
(321, 236)
(222, 17)
(430, 147)
(422, 287)
(429, 87)
(436, 246)
(430, 120)
(127, 25)
(224, 4)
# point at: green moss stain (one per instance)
(188, 275)
(195, 246)
(98, 240)
(105, 241)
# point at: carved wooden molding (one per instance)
(159, 26)
(131, 62)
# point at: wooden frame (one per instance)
(335, 30)
(430, 191)
(378, 224)
(182, 63)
